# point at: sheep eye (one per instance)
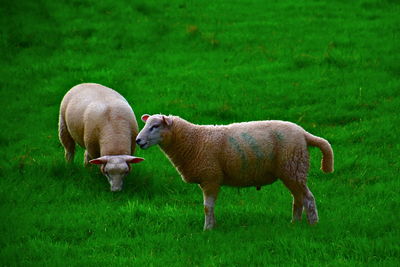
(154, 127)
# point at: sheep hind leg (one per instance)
(210, 194)
(66, 140)
(310, 207)
(298, 197)
(295, 179)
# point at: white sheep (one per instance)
(101, 121)
(240, 154)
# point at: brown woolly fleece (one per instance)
(244, 154)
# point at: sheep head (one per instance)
(115, 168)
(157, 130)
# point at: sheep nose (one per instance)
(138, 141)
(116, 189)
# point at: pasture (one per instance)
(332, 67)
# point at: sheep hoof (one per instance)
(208, 227)
(69, 157)
(313, 222)
(258, 188)
(295, 220)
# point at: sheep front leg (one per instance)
(87, 158)
(210, 194)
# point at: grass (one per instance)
(330, 66)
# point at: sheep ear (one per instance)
(134, 160)
(145, 117)
(167, 120)
(101, 160)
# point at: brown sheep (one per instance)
(240, 154)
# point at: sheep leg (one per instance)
(298, 197)
(294, 176)
(310, 206)
(87, 158)
(66, 140)
(210, 194)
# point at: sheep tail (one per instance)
(327, 152)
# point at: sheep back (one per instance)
(100, 120)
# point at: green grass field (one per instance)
(333, 67)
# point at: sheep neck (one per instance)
(183, 146)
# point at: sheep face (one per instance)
(116, 168)
(156, 131)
